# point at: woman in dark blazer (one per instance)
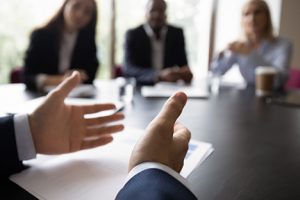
(65, 43)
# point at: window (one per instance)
(17, 20)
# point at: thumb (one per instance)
(172, 108)
(63, 89)
(166, 119)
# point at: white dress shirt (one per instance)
(276, 54)
(158, 46)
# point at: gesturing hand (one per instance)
(166, 141)
(60, 128)
(240, 47)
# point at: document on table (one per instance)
(93, 174)
(81, 91)
(168, 89)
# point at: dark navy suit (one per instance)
(138, 53)
(10, 161)
(149, 184)
(154, 184)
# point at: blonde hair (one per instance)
(268, 33)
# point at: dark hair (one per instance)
(56, 23)
(151, 1)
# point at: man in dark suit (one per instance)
(155, 162)
(155, 51)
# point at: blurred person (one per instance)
(259, 47)
(155, 51)
(65, 43)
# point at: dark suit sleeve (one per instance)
(93, 64)
(143, 74)
(32, 59)
(154, 184)
(182, 58)
(175, 53)
(85, 56)
(10, 162)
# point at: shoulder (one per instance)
(42, 34)
(137, 30)
(283, 42)
(176, 29)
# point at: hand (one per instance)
(59, 128)
(170, 74)
(165, 141)
(53, 80)
(186, 74)
(83, 74)
(240, 47)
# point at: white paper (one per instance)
(92, 174)
(168, 89)
(81, 91)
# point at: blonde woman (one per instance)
(259, 47)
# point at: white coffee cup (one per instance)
(265, 77)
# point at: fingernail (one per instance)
(180, 96)
(74, 72)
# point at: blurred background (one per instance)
(208, 26)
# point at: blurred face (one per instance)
(156, 14)
(254, 19)
(78, 13)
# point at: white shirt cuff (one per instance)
(153, 165)
(24, 141)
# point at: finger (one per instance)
(105, 130)
(83, 75)
(88, 144)
(181, 133)
(172, 109)
(88, 109)
(181, 140)
(63, 89)
(104, 120)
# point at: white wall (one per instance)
(290, 27)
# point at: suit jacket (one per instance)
(42, 56)
(138, 53)
(154, 184)
(10, 160)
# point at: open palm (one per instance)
(60, 128)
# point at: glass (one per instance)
(214, 82)
(126, 88)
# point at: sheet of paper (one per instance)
(93, 174)
(167, 89)
(81, 91)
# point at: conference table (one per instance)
(257, 144)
